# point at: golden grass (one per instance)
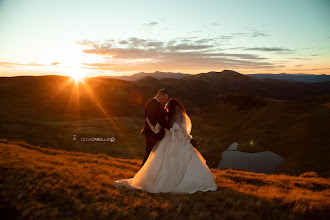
(40, 183)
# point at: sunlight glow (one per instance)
(78, 77)
(77, 74)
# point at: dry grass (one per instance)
(40, 183)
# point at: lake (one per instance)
(261, 162)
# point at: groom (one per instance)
(156, 113)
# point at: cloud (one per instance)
(299, 58)
(204, 40)
(211, 25)
(180, 53)
(151, 24)
(321, 69)
(238, 34)
(87, 43)
(55, 63)
(258, 34)
(226, 37)
(15, 65)
(269, 49)
(181, 47)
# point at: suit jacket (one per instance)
(156, 113)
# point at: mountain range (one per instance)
(157, 75)
(299, 77)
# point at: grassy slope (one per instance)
(45, 183)
(297, 131)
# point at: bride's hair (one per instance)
(172, 106)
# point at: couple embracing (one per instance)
(171, 163)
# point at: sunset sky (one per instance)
(104, 37)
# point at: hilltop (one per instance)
(37, 182)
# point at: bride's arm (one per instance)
(185, 129)
(181, 131)
(155, 129)
(183, 125)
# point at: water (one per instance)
(261, 162)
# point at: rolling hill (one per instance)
(288, 118)
(231, 81)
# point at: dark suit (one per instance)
(156, 113)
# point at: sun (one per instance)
(77, 76)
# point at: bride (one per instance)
(174, 165)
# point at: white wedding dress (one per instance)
(174, 165)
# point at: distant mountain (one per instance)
(300, 77)
(215, 76)
(232, 81)
(157, 75)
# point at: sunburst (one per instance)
(77, 76)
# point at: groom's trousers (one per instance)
(150, 143)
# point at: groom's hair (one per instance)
(162, 92)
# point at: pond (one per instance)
(261, 162)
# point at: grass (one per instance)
(41, 183)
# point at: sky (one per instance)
(105, 37)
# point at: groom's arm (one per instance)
(162, 120)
